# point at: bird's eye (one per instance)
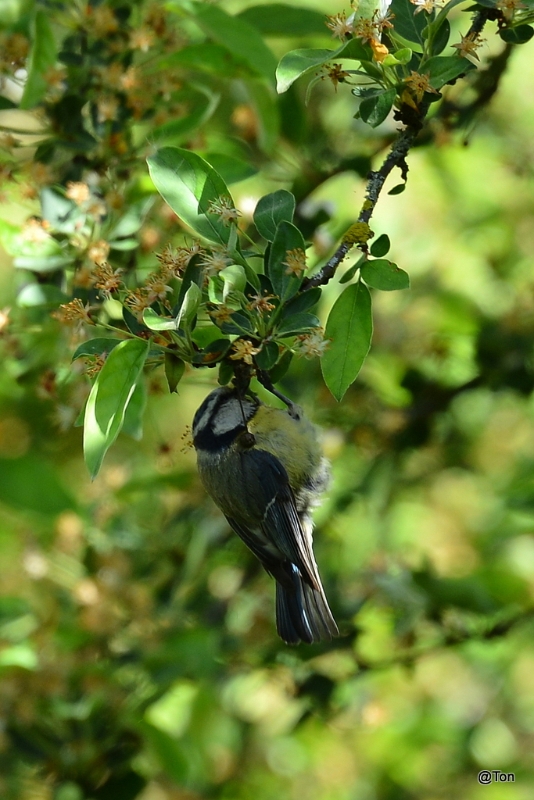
(247, 439)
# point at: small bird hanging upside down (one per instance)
(264, 468)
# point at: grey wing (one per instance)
(279, 521)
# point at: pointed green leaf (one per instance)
(271, 210)
(349, 329)
(385, 275)
(287, 237)
(442, 69)
(189, 185)
(297, 323)
(380, 246)
(135, 410)
(406, 23)
(241, 38)
(298, 62)
(109, 398)
(157, 323)
(375, 110)
(174, 370)
(96, 347)
(42, 58)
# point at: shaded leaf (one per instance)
(518, 35)
(31, 484)
(349, 329)
(298, 323)
(380, 246)
(40, 294)
(271, 210)
(241, 38)
(279, 19)
(42, 57)
(406, 23)
(385, 275)
(109, 398)
(189, 185)
(287, 237)
(375, 110)
(174, 370)
(230, 168)
(268, 355)
(95, 347)
(298, 62)
(442, 69)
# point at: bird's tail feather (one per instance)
(302, 612)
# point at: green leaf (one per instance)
(109, 398)
(298, 323)
(230, 168)
(349, 329)
(279, 370)
(157, 323)
(375, 110)
(42, 57)
(201, 103)
(62, 214)
(135, 410)
(209, 57)
(42, 263)
(174, 370)
(123, 244)
(380, 246)
(40, 294)
(213, 353)
(234, 279)
(189, 185)
(31, 484)
(398, 189)
(385, 275)
(279, 19)
(267, 113)
(241, 38)
(406, 23)
(519, 35)
(351, 272)
(298, 62)
(441, 38)
(239, 324)
(303, 301)
(190, 306)
(271, 210)
(287, 237)
(268, 355)
(96, 347)
(442, 69)
(132, 220)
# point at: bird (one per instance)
(264, 469)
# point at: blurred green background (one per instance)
(138, 653)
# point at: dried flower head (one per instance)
(244, 351)
(340, 26)
(224, 208)
(107, 107)
(98, 251)
(142, 39)
(261, 303)
(137, 301)
(93, 364)
(78, 192)
(336, 74)
(311, 345)
(221, 314)
(380, 50)
(156, 287)
(107, 279)
(419, 84)
(424, 5)
(34, 231)
(468, 46)
(509, 7)
(214, 262)
(295, 262)
(75, 311)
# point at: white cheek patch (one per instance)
(229, 416)
(203, 421)
(222, 414)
